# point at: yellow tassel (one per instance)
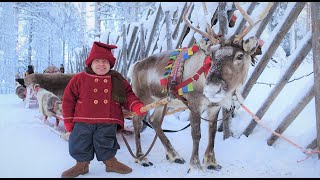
(190, 52)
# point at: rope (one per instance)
(166, 130)
(154, 139)
(185, 102)
(305, 151)
(60, 118)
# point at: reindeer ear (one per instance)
(36, 86)
(250, 45)
(58, 105)
(50, 104)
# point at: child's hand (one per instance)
(65, 136)
(68, 126)
(137, 109)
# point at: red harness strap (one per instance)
(204, 69)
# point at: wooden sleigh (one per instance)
(53, 82)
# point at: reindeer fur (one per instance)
(20, 91)
(49, 104)
(53, 82)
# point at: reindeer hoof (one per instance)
(177, 160)
(180, 161)
(144, 162)
(188, 170)
(147, 164)
(215, 167)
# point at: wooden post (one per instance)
(153, 30)
(168, 29)
(124, 50)
(315, 9)
(266, 20)
(308, 17)
(222, 18)
(282, 82)
(142, 43)
(223, 24)
(184, 30)
(132, 39)
(290, 18)
(292, 115)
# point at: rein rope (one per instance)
(305, 151)
(154, 139)
(185, 102)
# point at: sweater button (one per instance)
(105, 80)
(105, 101)
(95, 101)
(95, 90)
(105, 90)
(96, 80)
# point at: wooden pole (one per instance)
(315, 9)
(150, 106)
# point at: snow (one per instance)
(31, 149)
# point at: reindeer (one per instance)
(230, 61)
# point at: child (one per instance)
(61, 68)
(93, 114)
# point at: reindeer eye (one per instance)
(240, 57)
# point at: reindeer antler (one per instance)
(211, 36)
(247, 29)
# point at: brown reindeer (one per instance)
(230, 61)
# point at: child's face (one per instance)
(100, 66)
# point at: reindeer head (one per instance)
(58, 107)
(55, 104)
(230, 65)
(231, 59)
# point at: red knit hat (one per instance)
(100, 50)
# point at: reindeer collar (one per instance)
(183, 86)
(174, 68)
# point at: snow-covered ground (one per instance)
(30, 149)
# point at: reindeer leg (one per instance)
(57, 123)
(209, 159)
(171, 153)
(28, 97)
(196, 135)
(137, 125)
(45, 118)
(227, 116)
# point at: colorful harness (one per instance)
(174, 69)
